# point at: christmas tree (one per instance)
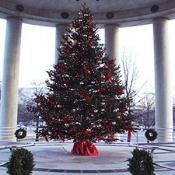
(86, 100)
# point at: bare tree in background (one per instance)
(24, 98)
(130, 76)
(146, 115)
(39, 88)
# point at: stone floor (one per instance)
(54, 158)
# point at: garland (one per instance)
(151, 134)
(21, 162)
(141, 163)
(20, 133)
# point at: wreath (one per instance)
(21, 162)
(141, 163)
(20, 133)
(151, 134)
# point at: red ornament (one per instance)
(51, 100)
(120, 90)
(102, 90)
(109, 125)
(110, 80)
(59, 66)
(66, 119)
(110, 62)
(109, 76)
(85, 95)
(122, 109)
(86, 133)
(86, 69)
(65, 81)
(88, 97)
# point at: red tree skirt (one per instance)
(84, 148)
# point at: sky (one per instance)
(38, 52)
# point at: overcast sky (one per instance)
(38, 52)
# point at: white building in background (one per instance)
(109, 14)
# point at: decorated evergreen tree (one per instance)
(86, 100)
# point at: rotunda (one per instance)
(110, 14)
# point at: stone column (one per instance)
(60, 30)
(9, 95)
(163, 94)
(111, 41)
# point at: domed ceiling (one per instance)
(121, 12)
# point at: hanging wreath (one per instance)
(151, 134)
(20, 133)
(21, 162)
(141, 163)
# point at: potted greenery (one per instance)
(21, 162)
(141, 163)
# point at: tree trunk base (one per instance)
(84, 148)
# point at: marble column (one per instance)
(9, 91)
(163, 89)
(60, 30)
(111, 41)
